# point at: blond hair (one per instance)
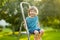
(33, 8)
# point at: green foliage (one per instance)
(49, 12)
(10, 12)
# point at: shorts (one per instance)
(32, 31)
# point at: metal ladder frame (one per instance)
(27, 31)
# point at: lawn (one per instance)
(48, 35)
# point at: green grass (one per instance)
(8, 38)
(48, 35)
(51, 36)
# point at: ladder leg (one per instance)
(28, 37)
(19, 31)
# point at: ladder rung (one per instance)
(23, 32)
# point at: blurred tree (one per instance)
(10, 11)
(50, 14)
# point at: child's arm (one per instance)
(38, 24)
(24, 25)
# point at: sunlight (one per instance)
(16, 32)
(1, 36)
(37, 0)
(23, 39)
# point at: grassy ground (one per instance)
(48, 35)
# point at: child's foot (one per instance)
(40, 38)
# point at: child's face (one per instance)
(32, 13)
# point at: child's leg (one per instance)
(41, 33)
(36, 35)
